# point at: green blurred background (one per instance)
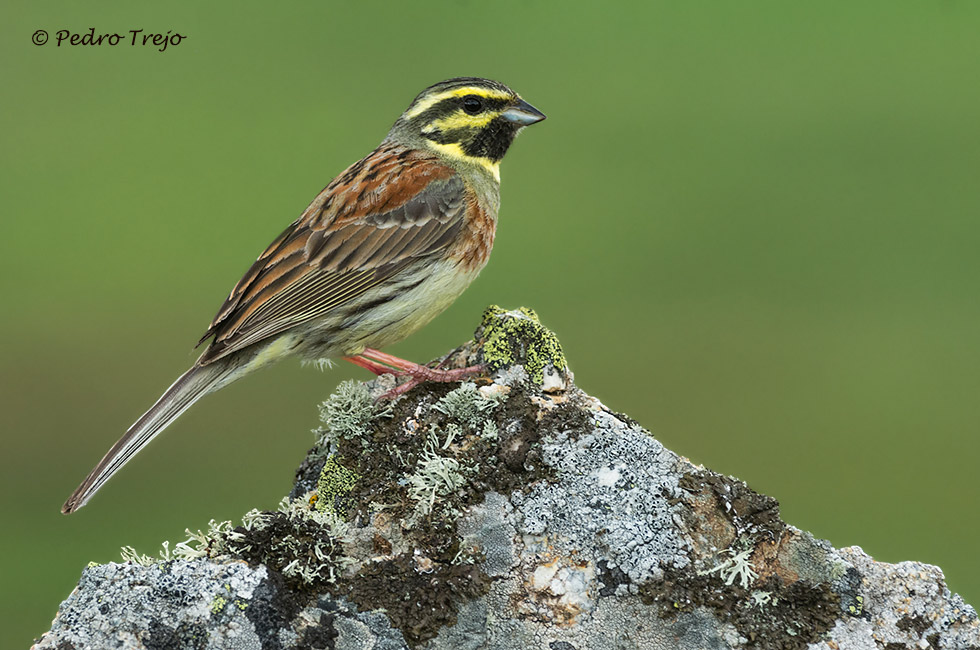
(753, 225)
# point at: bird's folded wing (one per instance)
(363, 229)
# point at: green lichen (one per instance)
(511, 337)
(468, 405)
(838, 570)
(334, 487)
(490, 430)
(436, 475)
(130, 554)
(348, 412)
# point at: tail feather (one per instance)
(189, 387)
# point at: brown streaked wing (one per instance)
(253, 272)
(308, 272)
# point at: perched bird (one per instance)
(382, 250)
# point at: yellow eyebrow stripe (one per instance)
(429, 102)
(461, 121)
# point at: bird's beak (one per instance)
(522, 114)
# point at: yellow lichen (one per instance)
(218, 604)
(334, 484)
(518, 336)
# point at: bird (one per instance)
(385, 247)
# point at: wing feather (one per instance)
(392, 215)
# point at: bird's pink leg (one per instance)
(367, 364)
(381, 363)
(416, 371)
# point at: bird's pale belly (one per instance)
(387, 314)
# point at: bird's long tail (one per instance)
(189, 387)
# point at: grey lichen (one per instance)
(469, 406)
(630, 505)
(299, 541)
(131, 556)
(212, 543)
(179, 603)
(435, 476)
(736, 566)
(347, 414)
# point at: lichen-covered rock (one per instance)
(517, 338)
(512, 511)
(168, 605)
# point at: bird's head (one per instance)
(465, 121)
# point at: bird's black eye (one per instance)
(472, 104)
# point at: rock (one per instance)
(513, 511)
